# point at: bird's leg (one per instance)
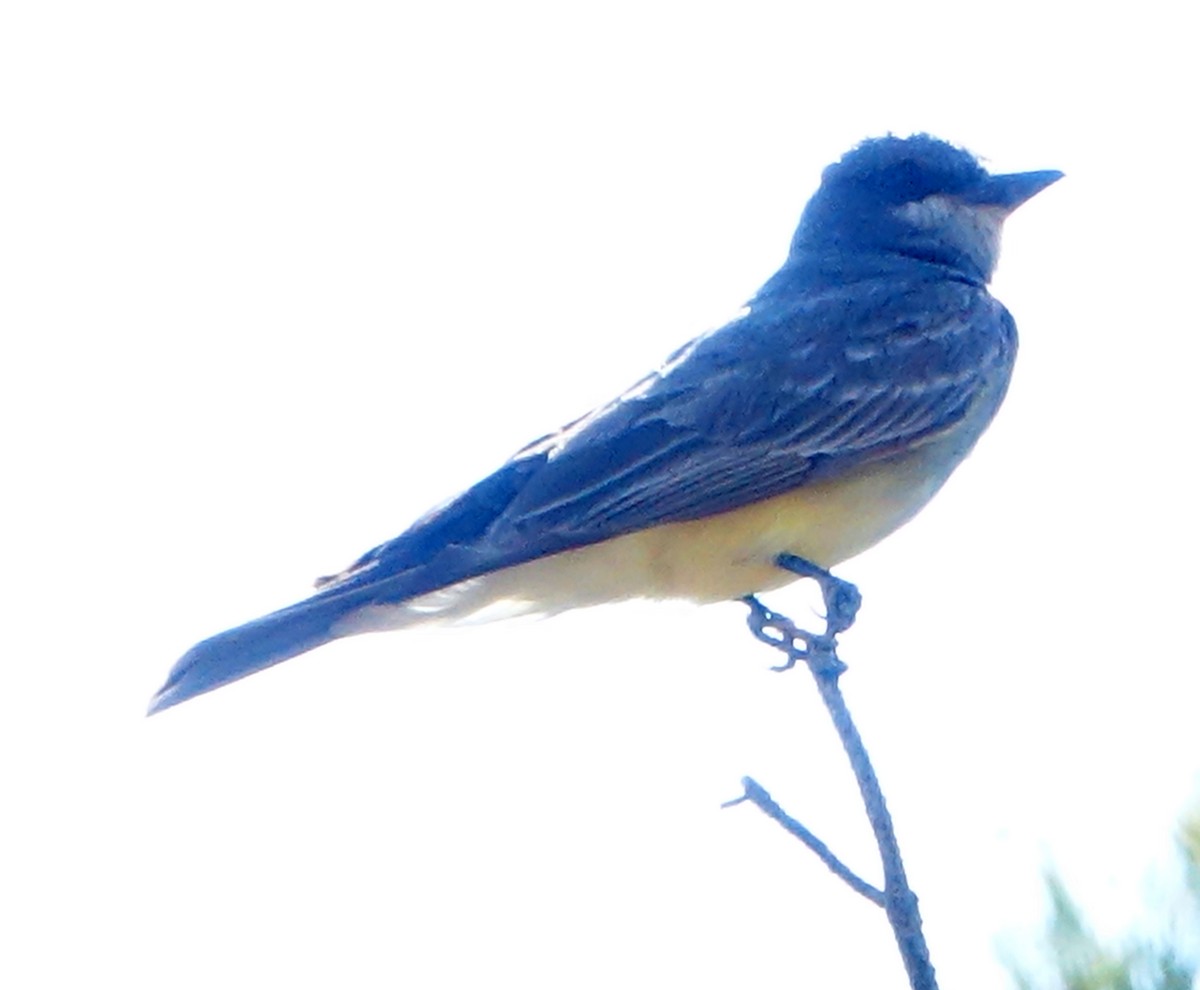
(842, 599)
(818, 650)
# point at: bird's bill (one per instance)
(1010, 191)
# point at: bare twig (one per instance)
(819, 653)
(757, 795)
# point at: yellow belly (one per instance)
(717, 558)
(733, 554)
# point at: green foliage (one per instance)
(1076, 959)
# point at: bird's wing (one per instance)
(770, 402)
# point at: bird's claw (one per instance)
(817, 650)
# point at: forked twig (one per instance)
(819, 653)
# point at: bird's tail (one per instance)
(251, 647)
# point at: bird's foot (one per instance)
(842, 599)
(818, 650)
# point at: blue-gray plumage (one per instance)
(815, 423)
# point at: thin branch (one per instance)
(757, 795)
(819, 653)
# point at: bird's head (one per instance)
(914, 197)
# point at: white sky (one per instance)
(277, 277)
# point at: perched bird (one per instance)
(813, 425)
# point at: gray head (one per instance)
(917, 198)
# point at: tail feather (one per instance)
(254, 646)
(362, 600)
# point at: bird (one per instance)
(819, 420)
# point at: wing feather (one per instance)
(774, 400)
